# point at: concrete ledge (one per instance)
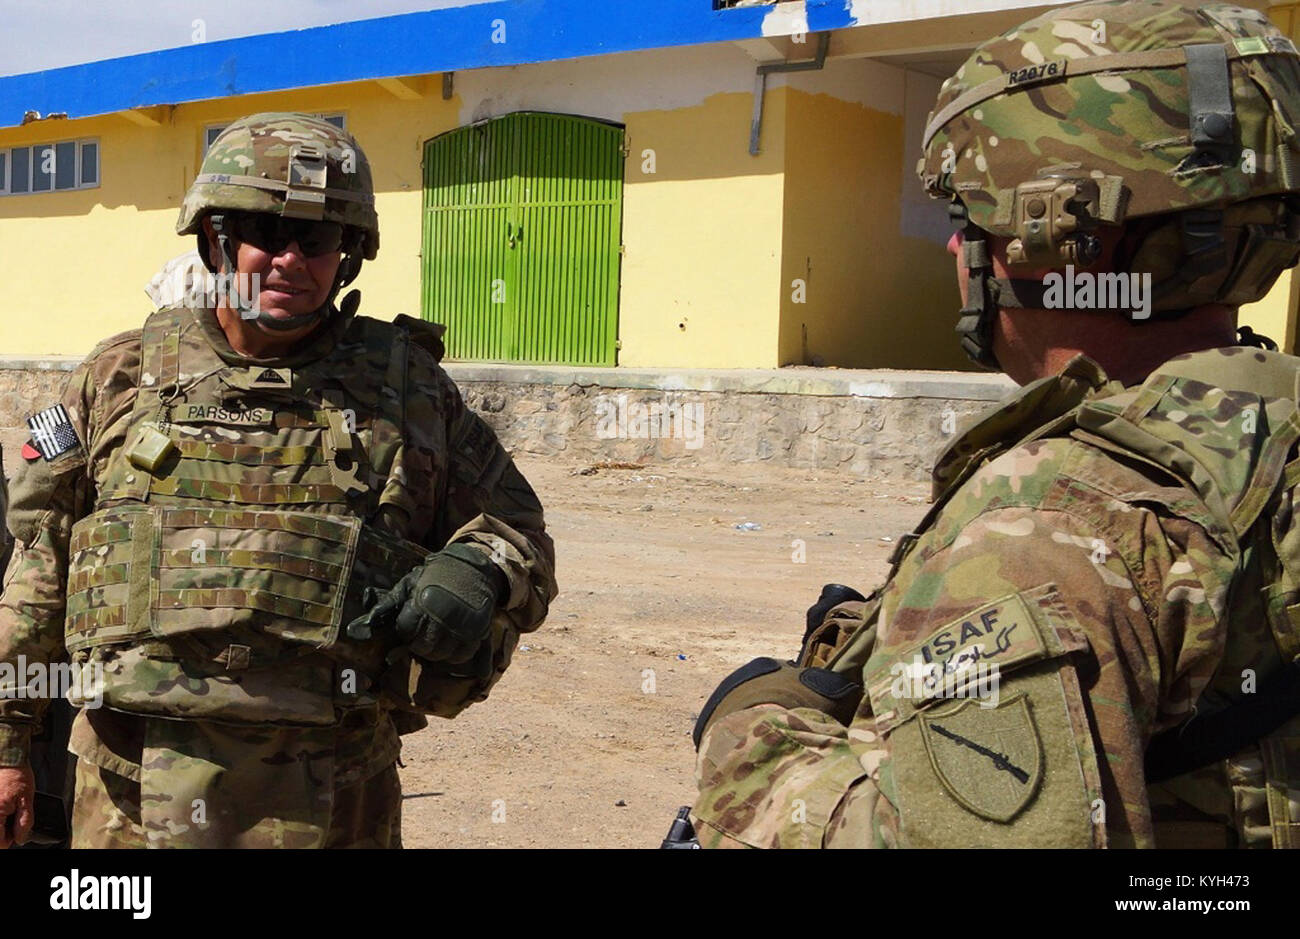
(820, 382)
(44, 363)
(882, 423)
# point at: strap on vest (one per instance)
(1209, 738)
(398, 367)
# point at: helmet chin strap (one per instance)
(986, 294)
(975, 323)
(347, 272)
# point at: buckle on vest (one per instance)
(339, 453)
(235, 658)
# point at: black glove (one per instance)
(442, 610)
(767, 681)
(832, 596)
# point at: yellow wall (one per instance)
(703, 237)
(873, 297)
(73, 265)
(1275, 316)
(703, 233)
(714, 237)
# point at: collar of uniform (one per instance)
(1017, 417)
(1239, 368)
(315, 345)
(1083, 369)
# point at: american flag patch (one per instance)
(52, 432)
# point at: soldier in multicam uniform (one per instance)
(274, 525)
(1091, 639)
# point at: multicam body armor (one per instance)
(241, 523)
(197, 527)
(204, 541)
(1127, 564)
(234, 533)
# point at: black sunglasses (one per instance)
(272, 233)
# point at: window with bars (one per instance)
(212, 131)
(49, 167)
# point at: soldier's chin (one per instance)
(278, 309)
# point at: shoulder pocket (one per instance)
(988, 736)
(34, 490)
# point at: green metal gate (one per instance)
(522, 227)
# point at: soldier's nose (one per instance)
(291, 257)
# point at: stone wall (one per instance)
(883, 437)
(888, 425)
(26, 386)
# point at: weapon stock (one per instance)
(681, 836)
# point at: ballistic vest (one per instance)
(234, 533)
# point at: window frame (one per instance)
(33, 156)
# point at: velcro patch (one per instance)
(52, 432)
(272, 378)
(1000, 634)
(989, 759)
(216, 414)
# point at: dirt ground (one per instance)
(586, 740)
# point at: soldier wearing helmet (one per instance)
(1090, 638)
(266, 532)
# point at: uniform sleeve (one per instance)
(45, 499)
(1024, 660)
(490, 504)
(482, 500)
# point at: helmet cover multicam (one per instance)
(287, 164)
(1178, 119)
(1102, 91)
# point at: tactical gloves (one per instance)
(442, 610)
(767, 681)
(801, 683)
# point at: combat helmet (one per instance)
(1178, 123)
(295, 166)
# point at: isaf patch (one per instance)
(991, 639)
(1001, 631)
(989, 759)
(52, 432)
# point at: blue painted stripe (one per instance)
(407, 44)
